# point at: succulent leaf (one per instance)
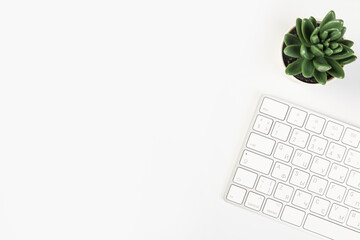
(316, 51)
(348, 60)
(320, 77)
(307, 68)
(334, 45)
(314, 38)
(294, 68)
(320, 46)
(328, 51)
(298, 30)
(292, 51)
(324, 35)
(336, 69)
(346, 42)
(338, 49)
(345, 53)
(332, 25)
(343, 30)
(291, 39)
(306, 53)
(335, 35)
(313, 21)
(307, 28)
(321, 64)
(329, 17)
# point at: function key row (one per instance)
(314, 123)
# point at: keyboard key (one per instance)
(317, 185)
(354, 220)
(320, 166)
(256, 162)
(272, 208)
(260, 143)
(353, 159)
(283, 192)
(254, 201)
(274, 108)
(299, 178)
(353, 199)
(283, 152)
(236, 194)
(354, 179)
(315, 124)
(320, 206)
(335, 152)
(281, 131)
(329, 229)
(351, 137)
(301, 159)
(338, 173)
(245, 178)
(265, 185)
(336, 192)
(302, 199)
(262, 124)
(333, 130)
(338, 213)
(317, 145)
(297, 117)
(299, 138)
(281, 171)
(292, 215)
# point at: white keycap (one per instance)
(236, 194)
(354, 220)
(272, 208)
(320, 206)
(354, 179)
(320, 166)
(299, 178)
(351, 137)
(338, 213)
(281, 131)
(335, 152)
(299, 138)
(292, 216)
(317, 185)
(352, 199)
(283, 152)
(281, 171)
(254, 201)
(274, 108)
(317, 145)
(301, 159)
(338, 173)
(260, 143)
(297, 117)
(333, 130)
(256, 162)
(329, 229)
(265, 185)
(283, 192)
(245, 178)
(315, 123)
(302, 199)
(353, 159)
(336, 192)
(262, 124)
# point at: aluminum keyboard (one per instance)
(301, 168)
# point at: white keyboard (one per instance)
(301, 168)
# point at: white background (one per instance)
(123, 119)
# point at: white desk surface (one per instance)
(123, 120)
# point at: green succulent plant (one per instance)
(319, 48)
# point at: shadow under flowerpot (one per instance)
(287, 60)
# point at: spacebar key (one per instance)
(329, 229)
